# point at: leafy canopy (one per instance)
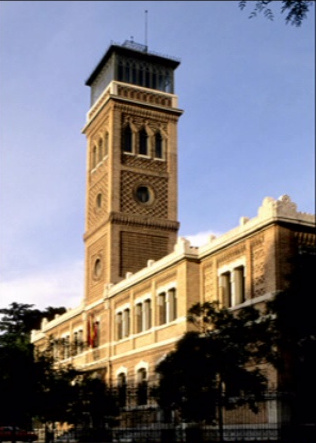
(296, 10)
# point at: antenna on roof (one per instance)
(146, 30)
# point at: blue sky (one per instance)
(247, 89)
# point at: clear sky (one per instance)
(247, 89)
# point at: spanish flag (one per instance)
(91, 331)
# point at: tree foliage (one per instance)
(32, 385)
(296, 11)
(215, 365)
(293, 330)
(22, 377)
(20, 318)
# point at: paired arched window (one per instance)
(158, 145)
(143, 146)
(127, 139)
(147, 145)
(100, 150)
(167, 306)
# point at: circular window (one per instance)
(144, 194)
(97, 268)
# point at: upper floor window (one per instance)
(232, 286)
(239, 284)
(172, 302)
(119, 326)
(226, 289)
(127, 139)
(162, 308)
(126, 323)
(139, 317)
(147, 314)
(123, 324)
(143, 145)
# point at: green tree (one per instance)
(293, 331)
(296, 11)
(215, 366)
(94, 407)
(19, 372)
(19, 318)
(54, 391)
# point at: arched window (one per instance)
(139, 317)
(239, 284)
(158, 145)
(142, 387)
(147, 314)
(172, 302)
(106, 144)
(143, 149)
(100, 156)
(119, 326)
(122, 389)
(126, 323)
(225, 286)
(162, 308)
(127, 139)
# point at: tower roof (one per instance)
(135, 50)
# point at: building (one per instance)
(140, 278)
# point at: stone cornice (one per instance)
(136, 221)
(271, 211)
(114, 91)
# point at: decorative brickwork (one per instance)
(165, 278)
(149, 97)
(144, 163)
(139, 117)
(129, 182)
(231, 254)
(258, 269)
(98, 202)
(208, 284)
(96, 268)
(136, 248)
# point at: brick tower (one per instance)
(131, 130)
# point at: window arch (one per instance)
(127, 139)
(143, 145)
(142, 387)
